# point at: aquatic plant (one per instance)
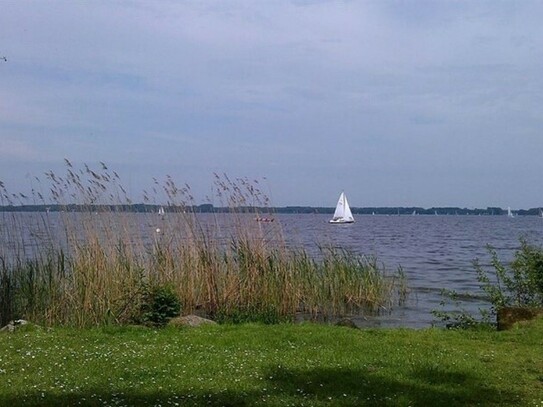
(90, 262)
(518, 283)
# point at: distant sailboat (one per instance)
(343, 212)
(161, 211)
(509, 213)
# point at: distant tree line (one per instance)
(209, 208)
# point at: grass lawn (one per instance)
(280, 365)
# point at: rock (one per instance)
(14, 325)
(190, 320)
(346, 322)
(508, 316)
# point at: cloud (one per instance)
(279, 88)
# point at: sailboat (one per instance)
(509, 213)
(343, 212)
(161, 211)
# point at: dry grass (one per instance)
(91, 267)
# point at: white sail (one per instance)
(161, 211)
(343, 212)
(509, 213)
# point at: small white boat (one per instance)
(509, 212)
(161, 211)
(343, 212)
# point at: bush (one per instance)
(519, 284)
(159, 305)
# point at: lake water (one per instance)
(435, 252)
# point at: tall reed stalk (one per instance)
(92, 262)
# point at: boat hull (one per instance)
(340, 221)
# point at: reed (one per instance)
(93, 266)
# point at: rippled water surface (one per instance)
(435, 252)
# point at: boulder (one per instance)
(346, 322)
(14, 325)
(190, 320)
(508, 316)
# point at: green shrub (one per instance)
(528, 265)
(159, 305)
(517, 284)
(520, 284)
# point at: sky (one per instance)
(397, 103)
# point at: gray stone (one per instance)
(14, 325)
(190, 320)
